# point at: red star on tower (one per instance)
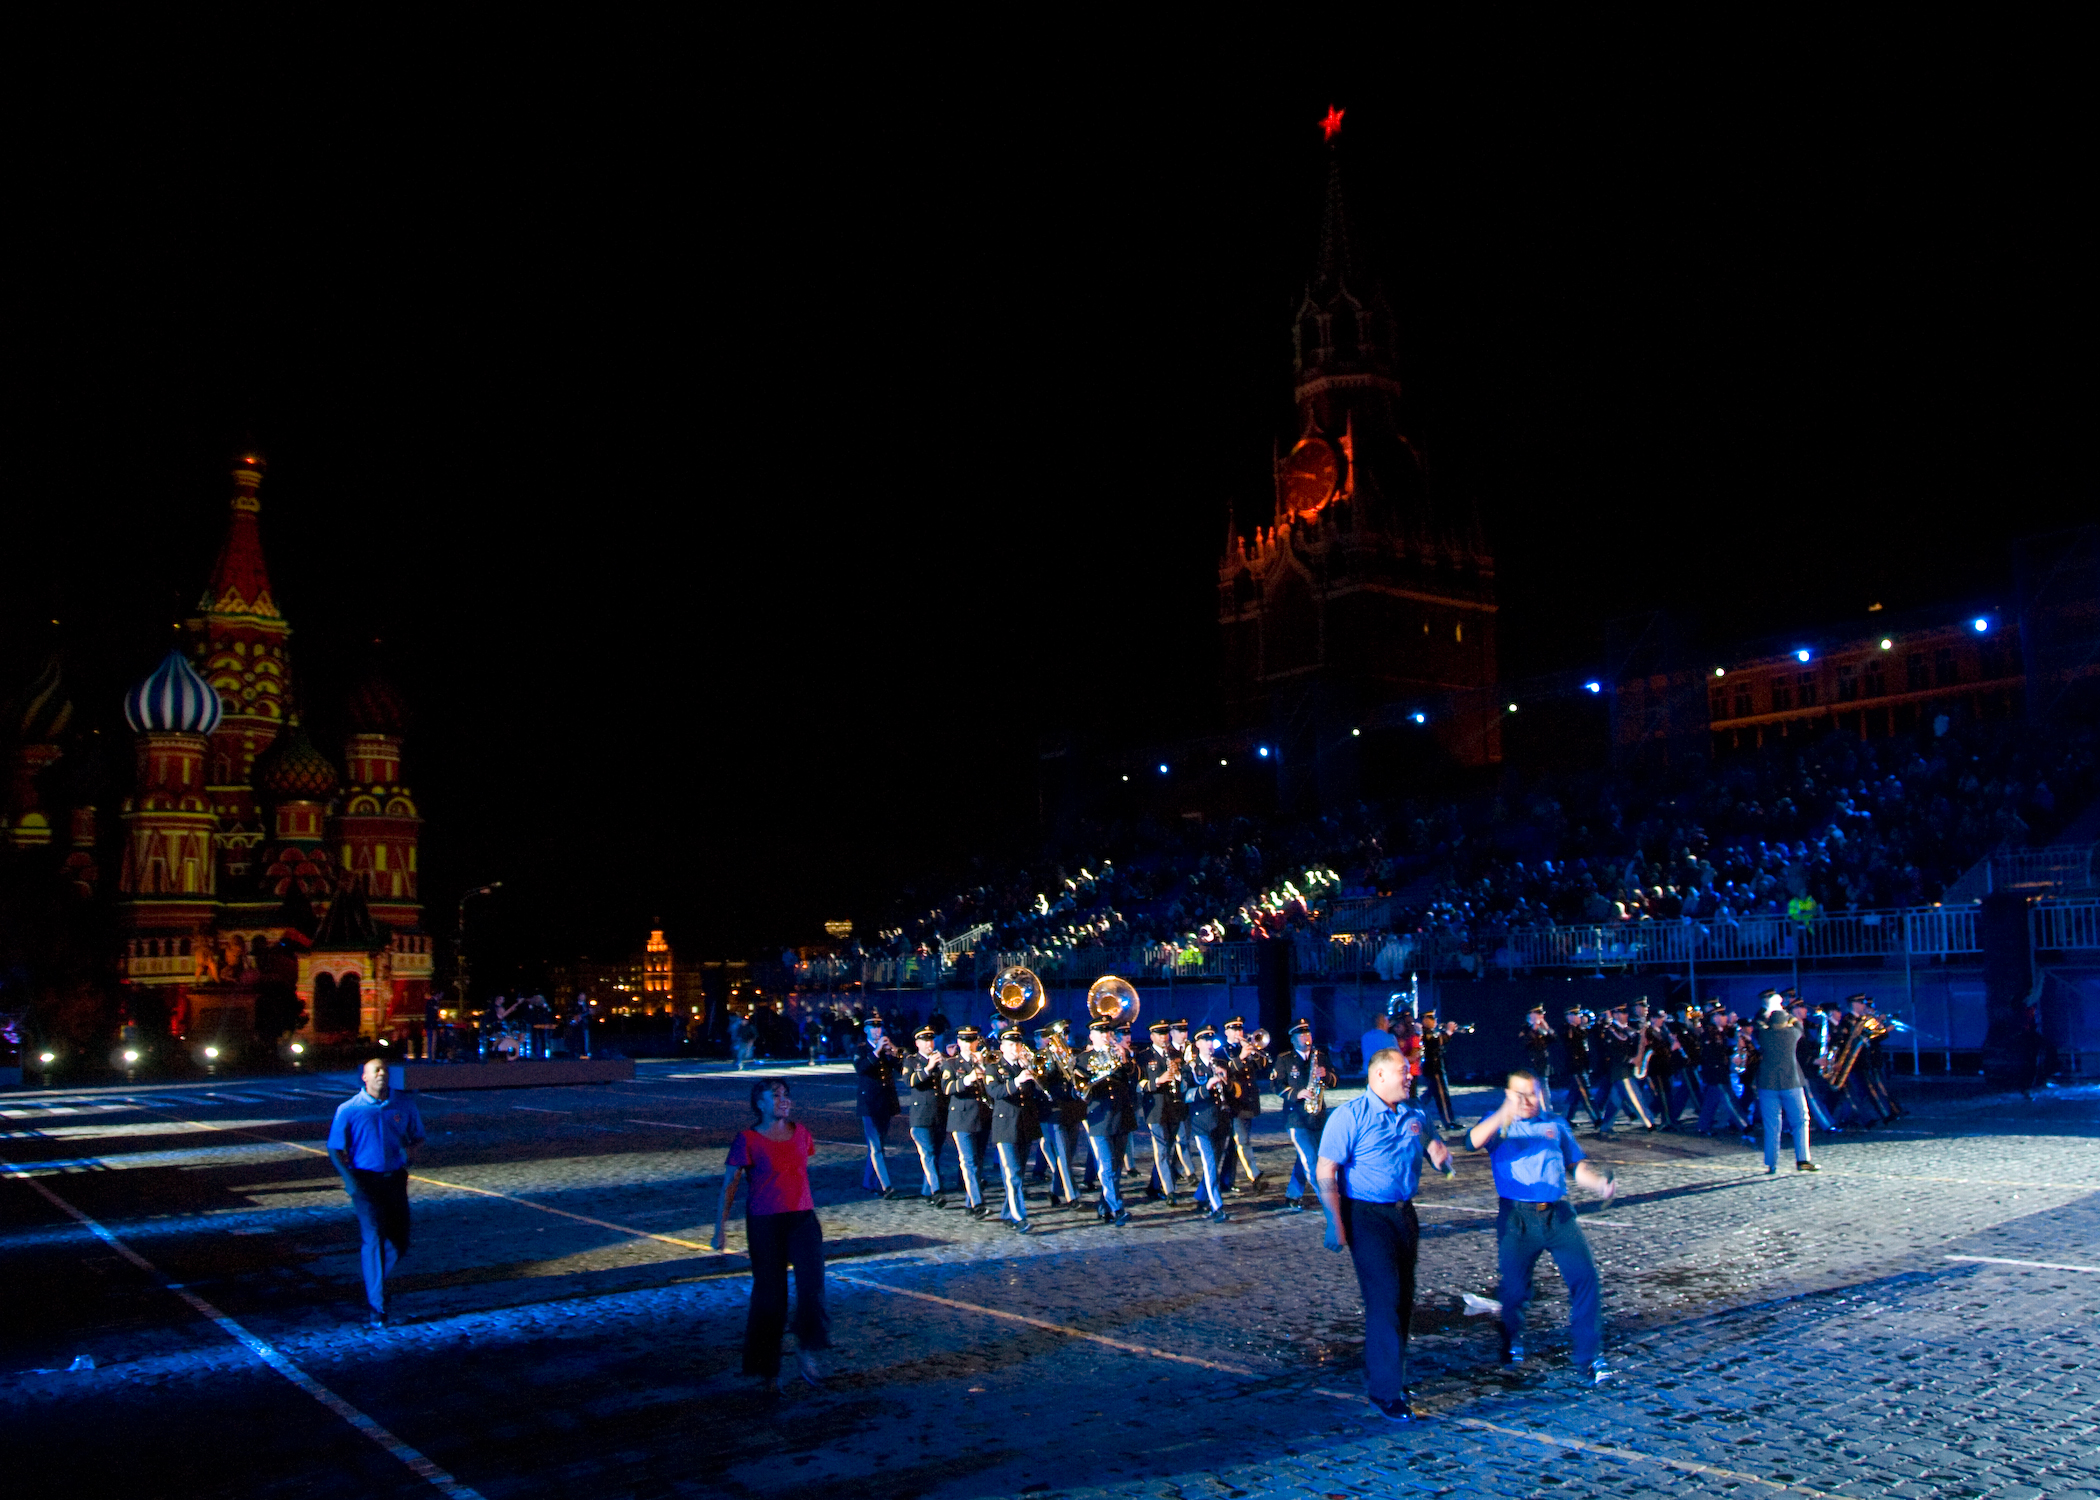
(1332, 125)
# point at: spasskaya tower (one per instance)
(1366, 602)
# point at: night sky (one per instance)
(740, 479)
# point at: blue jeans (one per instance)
(1011, 1168)
(1771, 1104)
(966, 1167)
(1524, 1231)
(1104, 1163)
(1305, 1170)
(1057, 1149)
(1383, 1238)
(929, 1145)
(877, 1133)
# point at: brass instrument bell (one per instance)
(1017, 994)
(1113, 1000)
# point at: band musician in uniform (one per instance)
(1435, 1079)
(1063, 1114)
(929, 1110)
(969, 1111)
(878, 1063)
(1575, 1043)
(1371, 1154)
(1537, 1041)
(1159, 1094)
(1301, 1075)
(1207, 1092)
(1104, 1069)
(1016, 1093)
(1250, 1064)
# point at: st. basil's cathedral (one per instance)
(253, 867)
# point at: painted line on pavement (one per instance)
(1683, 1465)
(535, 1109)
(1627, 1454)
(422, 1467)
(1076, 1333)
(2039, 1265)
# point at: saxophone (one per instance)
(1315, 1085)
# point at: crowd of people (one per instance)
(1808, 825)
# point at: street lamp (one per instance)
(459, 953)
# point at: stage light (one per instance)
(1162, 768)
(1981, 624)
(1801, 655)
(1355, 732)
(1221, 762)
(1720, 671)
(131, 1057)
(1513, 708)
(297, 1048)
(1886, 643)
(1126, 778)
(211, 1051)
(47, 1057)
(1420, 718)
(1593, 687)
(1263, 752)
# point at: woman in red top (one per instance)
(780, 1228)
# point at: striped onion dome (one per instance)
(292, 770)
(173, 700)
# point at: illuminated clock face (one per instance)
(1308, 476)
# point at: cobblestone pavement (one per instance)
(1917, 1319)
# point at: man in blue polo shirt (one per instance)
(1533, 1153)
(369, 1142)
(1371, 1152)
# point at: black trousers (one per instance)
(776, 1241)
(1383, 1238)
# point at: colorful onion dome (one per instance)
(377, 708)
(173, 700)
(292, 770)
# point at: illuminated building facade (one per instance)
(252, 865)
(1366, 586)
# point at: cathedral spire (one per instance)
(240, 582)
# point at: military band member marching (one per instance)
(1016, 1093)
(1303, 1075)
(969, 1110)
(1160, 1107)
(929, 1110)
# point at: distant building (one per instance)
(254, 868)
(1365, 586)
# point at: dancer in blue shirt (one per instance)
(1534, 1153)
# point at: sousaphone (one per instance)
(1112, 1000)
(1017, 994)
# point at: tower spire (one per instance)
(240, 582)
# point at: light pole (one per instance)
(459, 954)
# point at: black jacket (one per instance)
(929, 1106)
(1293, 1073)
(969, 1106)
(1015, 1121)
(1254, 1065)
(1107, 1098)
(1538, 1050)
(878, 1081)
(1160, 1101)
(1207, 1113)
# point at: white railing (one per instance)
(2061, 926)
(1928, 931)
(966, 942)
